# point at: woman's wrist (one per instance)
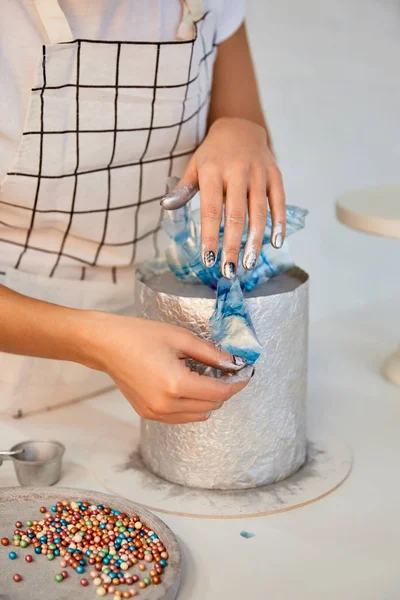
(86, 338)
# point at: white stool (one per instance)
(375, 210)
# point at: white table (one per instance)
(342, 547)
(375, 210)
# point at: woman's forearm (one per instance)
(235, 91)
(35, 328)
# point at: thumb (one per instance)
(208, 354)
(184, 191)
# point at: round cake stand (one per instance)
(374, 210)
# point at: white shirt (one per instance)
(22, 35)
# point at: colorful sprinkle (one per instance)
(96, 538)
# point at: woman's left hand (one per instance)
(234, 162)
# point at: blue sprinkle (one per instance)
(54, 508)
(88, 552)
(12, 555)
(43, 538)
(163, 562)
(102, 525)
(132, 548)
(247, 534)
(71, 550)
(131, 528)
(56, 552)
(57, 540)
(80, 569)
(38, 550)
(82, 562)
(142, 533)
(31, 535)
(100, 506)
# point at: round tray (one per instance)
(120, 470)
(22, 504)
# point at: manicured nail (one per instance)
(250, 261)
(208, 258)
(229, 270)
(277, 236)
(239, 361)
(179, 197)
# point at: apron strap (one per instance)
(192, 11)
(54, 21)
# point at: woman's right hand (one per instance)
(146, 359)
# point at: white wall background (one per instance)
(329, 75)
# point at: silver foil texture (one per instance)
(259, 436)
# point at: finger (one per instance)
(193, 405)
(211, 201)
(191, 346)
(184, 190)
(201, 387)
(258, 212)
(277, 203)
(235, 221)
(181, 418)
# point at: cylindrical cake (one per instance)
(259, 436)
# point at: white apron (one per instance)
(107, 123)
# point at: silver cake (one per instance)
(259, 436)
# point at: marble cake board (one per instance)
(118, 467)
(19, 503)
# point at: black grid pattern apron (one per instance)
(107, 124)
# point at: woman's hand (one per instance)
(234, 162)
(146, 359)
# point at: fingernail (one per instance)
(208, 258)
(277, 236)
(179, 197)
(250, 261)
(229, 270)
(239, 361)
(254, 370)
